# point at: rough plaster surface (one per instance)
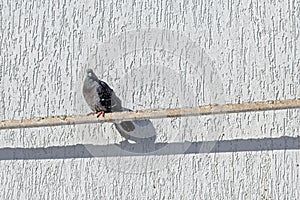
(254, 48)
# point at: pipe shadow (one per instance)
(144, 149)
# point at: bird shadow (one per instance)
(157, 149)
(138, 131)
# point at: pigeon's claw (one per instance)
(100, 113)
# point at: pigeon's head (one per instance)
(90, 73)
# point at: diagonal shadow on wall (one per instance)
(144, 149)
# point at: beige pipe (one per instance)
(152, 114)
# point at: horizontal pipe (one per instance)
(151, 114)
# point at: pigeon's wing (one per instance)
(104, 94)
(104, 91)
(108, 98)
(112, 103)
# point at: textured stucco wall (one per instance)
(196, 52)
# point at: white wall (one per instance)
(154, 54)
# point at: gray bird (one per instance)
(99, 96)
(102, 99)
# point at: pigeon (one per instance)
(102, 99)
(99, 96)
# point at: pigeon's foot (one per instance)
(100, 113)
